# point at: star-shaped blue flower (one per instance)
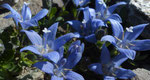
(106, 14)
(25, 18)
(125, 41)
(110, 68)
(48, 45)
(81, 2)
(62, 70)
(87, 28)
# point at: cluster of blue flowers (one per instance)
(52, 49)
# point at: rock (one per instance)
(139, 13)
(58, 2)
(8, 1)
(142, 74)
(31, 74)
(35, 6)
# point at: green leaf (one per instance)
(53, 12)
(59, 18)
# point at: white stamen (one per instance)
(81, 1)
(98, 14)
(76, 46)
(130, 29)
(101, 2)
(45, 30)
(83, 21)
(26, 3)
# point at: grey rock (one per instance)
(35, 6)
(139, 13)
(8, 1)
(59, 3)
(31, 74)
(142, 74)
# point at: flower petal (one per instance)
(116, 28)
(100, 6)
(105, 55)
(62, 62)
(56, 78)
(34, 37)
(73, 76)
(137, 30)
(32, 49)
(75, 55)
(26, 12)
(91, 38)
(84, 3)
(113, 7)
(124, 73)
(96, 67)
(89, 13)
(52, 56)
(119, 59)
(109, 78)
(9, 16)
(140, 45)
(109, 38)
(76, 2)
(27, 24)
(78, 42)
(40, 14)
(45, 66)
(52, 34)
(76, 25)
(61, 52)
(96, 23)
(15, 15)
(62, 40)
(7, 6)
(128, 52)
(115, 17)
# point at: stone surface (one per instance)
(11, 2)
(58, 2)
(31, 74)
(139, 13)
(35, 6)
(142, 74)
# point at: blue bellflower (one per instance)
(87, 28)
(106, 14)
(62, 70)
(81, 2)
(110, 68)
(48, 45)
(125, 42)
(25, 18)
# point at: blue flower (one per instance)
(110, 68)
(106, 14)
(87, 28)
(80, 2)
(25, 18)
(48, 45)
(125, 42)
(62, 70)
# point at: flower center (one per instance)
(98, 15)
(123, 43)
(106, 14)
(43, 50)
(60, 71)
(109, 69)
